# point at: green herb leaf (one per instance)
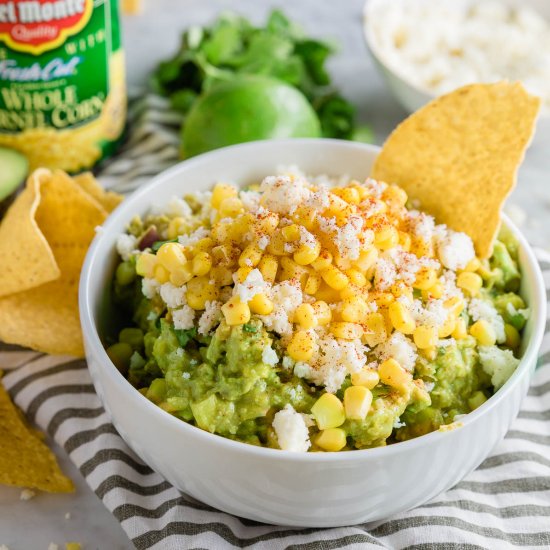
(249, 328)
(184, 336)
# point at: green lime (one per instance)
(246, 109)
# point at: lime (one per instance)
(246, 109)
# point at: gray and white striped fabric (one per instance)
(505, 503)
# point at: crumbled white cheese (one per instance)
(448, 280)
(179, 352)
(346, 238)
(319, 200)
(498, 363)
(263, 241)
(126, 246)
(375, 188)
(175, 207)
(288, 362)
(385, 273)
(421, 225)
(432, 314)
(183, 318)
(455, 249)
(149, 287)
(483, 309)
(286, 297)
(250, 200)
(195, 237)
(400, 348)
(446, 342)
(211, 316)
(252, 285)
(283, 194)
(173, 296)
(269, 356)
(371, 206)
(291, 430)
(406, 264)
(307, 238)
(333, 360)
(398, 424)
(429, 386)
(27, 494)
(186, 375)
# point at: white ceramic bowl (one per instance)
(273, 486)
(410, 95)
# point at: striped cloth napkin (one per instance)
(504, 504)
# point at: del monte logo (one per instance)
(35, 26)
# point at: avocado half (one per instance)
(14, 168)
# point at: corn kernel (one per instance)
(420, 248)
(202, 263)
(268, 267)
(305, 316)
(200, 291)
(357, 402)
(328, 412)
(327, 294)
(341, 263)
(306, 216)
(477, 399)
(354, 309)
(313, 283)
(484, 333)
(447, 328)
(401, 318)
(231, 207)
(455, 305)
(225, 254)
(323, 261)
(204, 245)
(350, 195)
(351, 291)
(383, 299)
(426, 278)
(434, 292)
(220, 192)
(242, 273)
(250, 256)
(322, 312)
(260, 304)
(235, 312)
(161, 274)
(171, 256)
(425, 336)
(375, 332)
(461, 330)
(393, 374)
(386, 238)
(470, 282)
(395, 195)
(276, 245)
(334, 278)
(356, 277)
(332, 439)
(222, 275)
(145, 264)
(346, 331)
(302, 346)
(429, 353)
(367, 258)
(220, 232)
(306, 254)
(291, 270)
(366, 377)
(401, 289)
(176, 227)
(513, 339)
(405, 241)
(291, 232)
(181, 276)
(473, 265)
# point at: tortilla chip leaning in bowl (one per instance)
(459, 156)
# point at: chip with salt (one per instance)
(25, 460)
(459, 156)
(45, 317)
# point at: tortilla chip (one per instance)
(459, 156)
(25, 461)
(46, 317)
(108, 199)
(28, 260)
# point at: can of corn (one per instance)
(62, 81)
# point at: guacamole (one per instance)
(273, 317)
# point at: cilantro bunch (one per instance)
(233, 46)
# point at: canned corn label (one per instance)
(62, 90)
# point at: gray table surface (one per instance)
(153, 36)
